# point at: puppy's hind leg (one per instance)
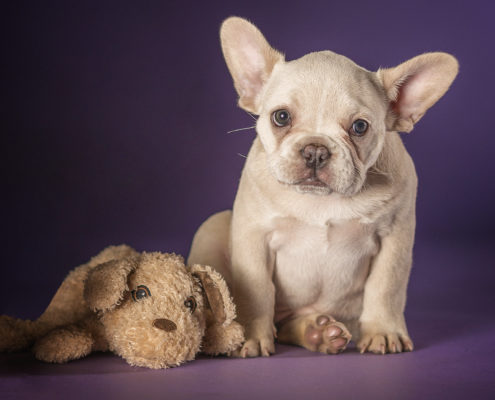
(315, 332)
(210, 245)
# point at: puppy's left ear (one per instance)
(414, 86)
(216, 293)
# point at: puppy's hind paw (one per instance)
(326, 335)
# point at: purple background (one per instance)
(114, 120)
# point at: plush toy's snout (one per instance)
(165, 324)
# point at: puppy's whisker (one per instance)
(241, 129)
(242, 155)
(252, 116)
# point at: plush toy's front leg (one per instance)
(382, 324)
(71, 342)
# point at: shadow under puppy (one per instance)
(322, 226)
(148, 308)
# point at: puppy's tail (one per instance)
(17, 334)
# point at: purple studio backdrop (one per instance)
(115, 118)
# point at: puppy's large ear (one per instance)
(250, 59)
(414, 86)
(106, 283)
(216, 293)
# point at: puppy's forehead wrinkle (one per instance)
(327, 68)
(326, 61)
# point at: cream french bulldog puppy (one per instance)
(319, 242)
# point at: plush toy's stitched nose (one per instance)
(164, 324)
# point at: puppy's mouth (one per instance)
(311, 181)
(312, 185)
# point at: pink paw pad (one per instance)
(326, 335)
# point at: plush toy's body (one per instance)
(147, 307)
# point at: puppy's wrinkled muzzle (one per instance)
(165, 325)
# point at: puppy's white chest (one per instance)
(321, 268)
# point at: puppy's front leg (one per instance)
(253, 289)
(382, 324)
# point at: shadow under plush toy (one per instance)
(148, 308)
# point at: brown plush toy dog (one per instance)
(148, 308)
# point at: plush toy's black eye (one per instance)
(191, 303)
(359, 127)
(140, 293)
(281, 118)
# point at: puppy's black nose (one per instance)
(165, 324)
(316, 155)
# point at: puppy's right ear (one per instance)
(250, 59)
(106, 283)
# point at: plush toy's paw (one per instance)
(223, 340)
(149, 362)
(381, 343)
(15, 334)
(63, 344)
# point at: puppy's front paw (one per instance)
(255, 347)
(259, 334)
(381, 343)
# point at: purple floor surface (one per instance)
(450, 317)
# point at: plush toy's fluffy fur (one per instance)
(148, 308)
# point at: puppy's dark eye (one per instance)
(281, 118)
(191, 303)
(359, 127)
(140, 293)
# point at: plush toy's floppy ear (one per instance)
(112, 253)
(106, 283)
(223, 335)
(216, 294)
